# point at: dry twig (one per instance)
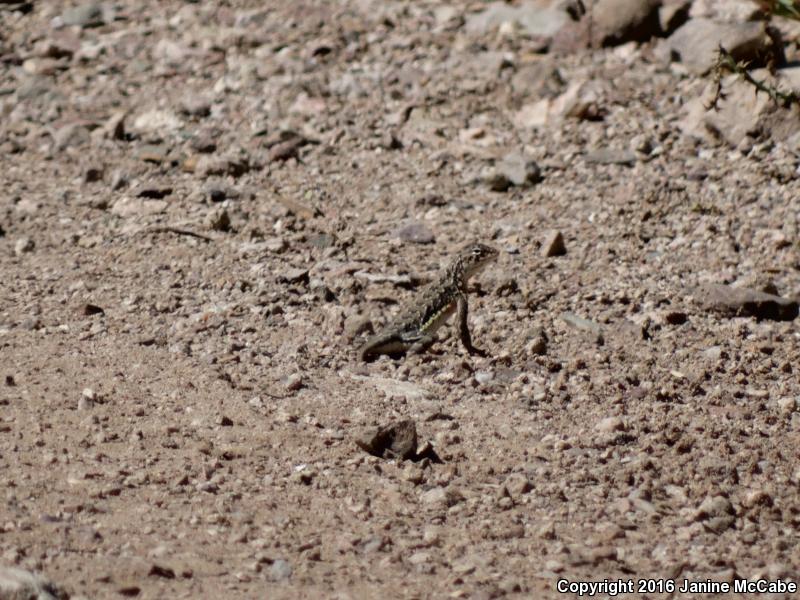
(727, 64)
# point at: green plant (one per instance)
(782, 8)
(727, 64)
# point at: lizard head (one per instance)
(474, 257)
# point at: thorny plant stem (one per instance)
(727, 64)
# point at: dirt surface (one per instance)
(208, 206)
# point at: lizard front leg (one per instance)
(421, 344)
(463, 326)
(395, 344)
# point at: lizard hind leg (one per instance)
(463, 327)
(389, 345)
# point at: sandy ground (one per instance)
(208, 206)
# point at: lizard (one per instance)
(413, 330)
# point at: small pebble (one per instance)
(415, 233)
(24, 245)
(553, 245)
(610, 424)
(280, 570)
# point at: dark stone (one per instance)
(676, 318)
(153, 191)
(92, 309)
(398, 440)
(745, 302)
(554, 245)
(161, 571)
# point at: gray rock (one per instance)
(716, 514)
(534, 18)
(554, 245)
(496, 181)
(536, 79)
(114, 127)
(322, 240)
(293, 275)
(441, 497)
(40, 66)
(533, 114)
(196, 106)
(519, 170)
(437, 495)
(233, 164)
(171, 53)
(321, 291)
(129, 206)
(610, 156)
(157, 122)
(18, 584)
(448, 17)
(730, 11)
(205, 141)
(398, 440)
(490, 63)
(714, 506)
(28, 206)
(609, 23)
(672, 14)
(24, 245)
(582, 100)
(86, 15)
(413, 473)
(394, 387)
(572, 37)
(292, 382)
(713, 353)
(218, 191)
(119, 180)
(582, 324)
(59, 44)
(517, 484)
(484, 377)
(737, 302)
(755, 498)
(217, 219)
(415, 233)
(153, 153)
(251, 18)
(355, 325)
(790, 77)
(420, 558)
(610, 424)
(619, 21)
(537, 343)
(279, 570)
(283, 151)
(71, 136)
(695, 43)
